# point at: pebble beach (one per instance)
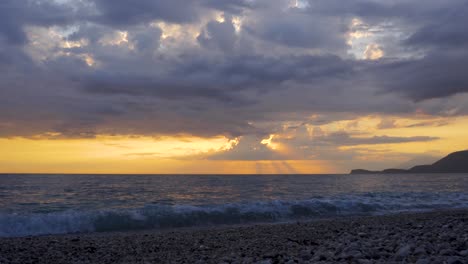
(431, 237)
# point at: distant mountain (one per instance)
(456, 162)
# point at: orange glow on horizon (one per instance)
(191, 155)
(143, 155)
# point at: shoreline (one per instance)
(423, 237)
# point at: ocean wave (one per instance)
(159, 216)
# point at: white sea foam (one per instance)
(158, 216)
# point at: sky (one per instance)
(231, 86)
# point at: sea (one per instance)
(41, 204)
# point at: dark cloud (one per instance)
(297, 28)
(344, 139)
(200, 77)
(90, 32)
(437, 75)
(219, 35)
(446, 29)
(429, 124)
(146, 41)
(374, 11)
(230, 6)
(15, 15)
(283, 64)
(124, 13)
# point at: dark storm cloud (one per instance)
(124, 13)
(15, 15)
(284, 63)
(344, 139)
(301, 139)
(147, 41)
(300, 29)
(219, 35)
(91, 32)
(144, 86)
(230, 6)
(223, 79)
(446, 29)
(382, 10)
(440, 74)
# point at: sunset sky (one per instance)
(231, 86)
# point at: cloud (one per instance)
(218, 35)
(344, 139)
(146, 41)
(125, 13)
(230, 6)
(248, 148)
(447, 31)
(224, 79)
(437, 75)
(387, 124)
(83, 68)
(298, 143)
(16, 15)
(298, 29)
(373, 52)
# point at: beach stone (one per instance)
(423, 261)
(364, 261)
(305, 254)
(265, 261)
(323, 256)
(260, 244)
(454, 260)
(447, 252)
(362, 234)
(352, 254)
(421, 250)
(353, 246)
(403, 252)
(444, 246)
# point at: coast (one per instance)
(431, 237)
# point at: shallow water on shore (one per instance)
(56, 204)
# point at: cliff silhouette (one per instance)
(456, 162)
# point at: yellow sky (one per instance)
(185, 154)
(141, 155)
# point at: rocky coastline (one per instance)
(431, 237)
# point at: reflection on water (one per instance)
(36, 193)
(58, 204)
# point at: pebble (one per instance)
(419, 251)
(438, 237)
(447, 252)
(403, 252)
(423, 261)
(454, 260)
(305, 255)
(361, 234)
(364, 261)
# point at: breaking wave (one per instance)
(157, 216)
